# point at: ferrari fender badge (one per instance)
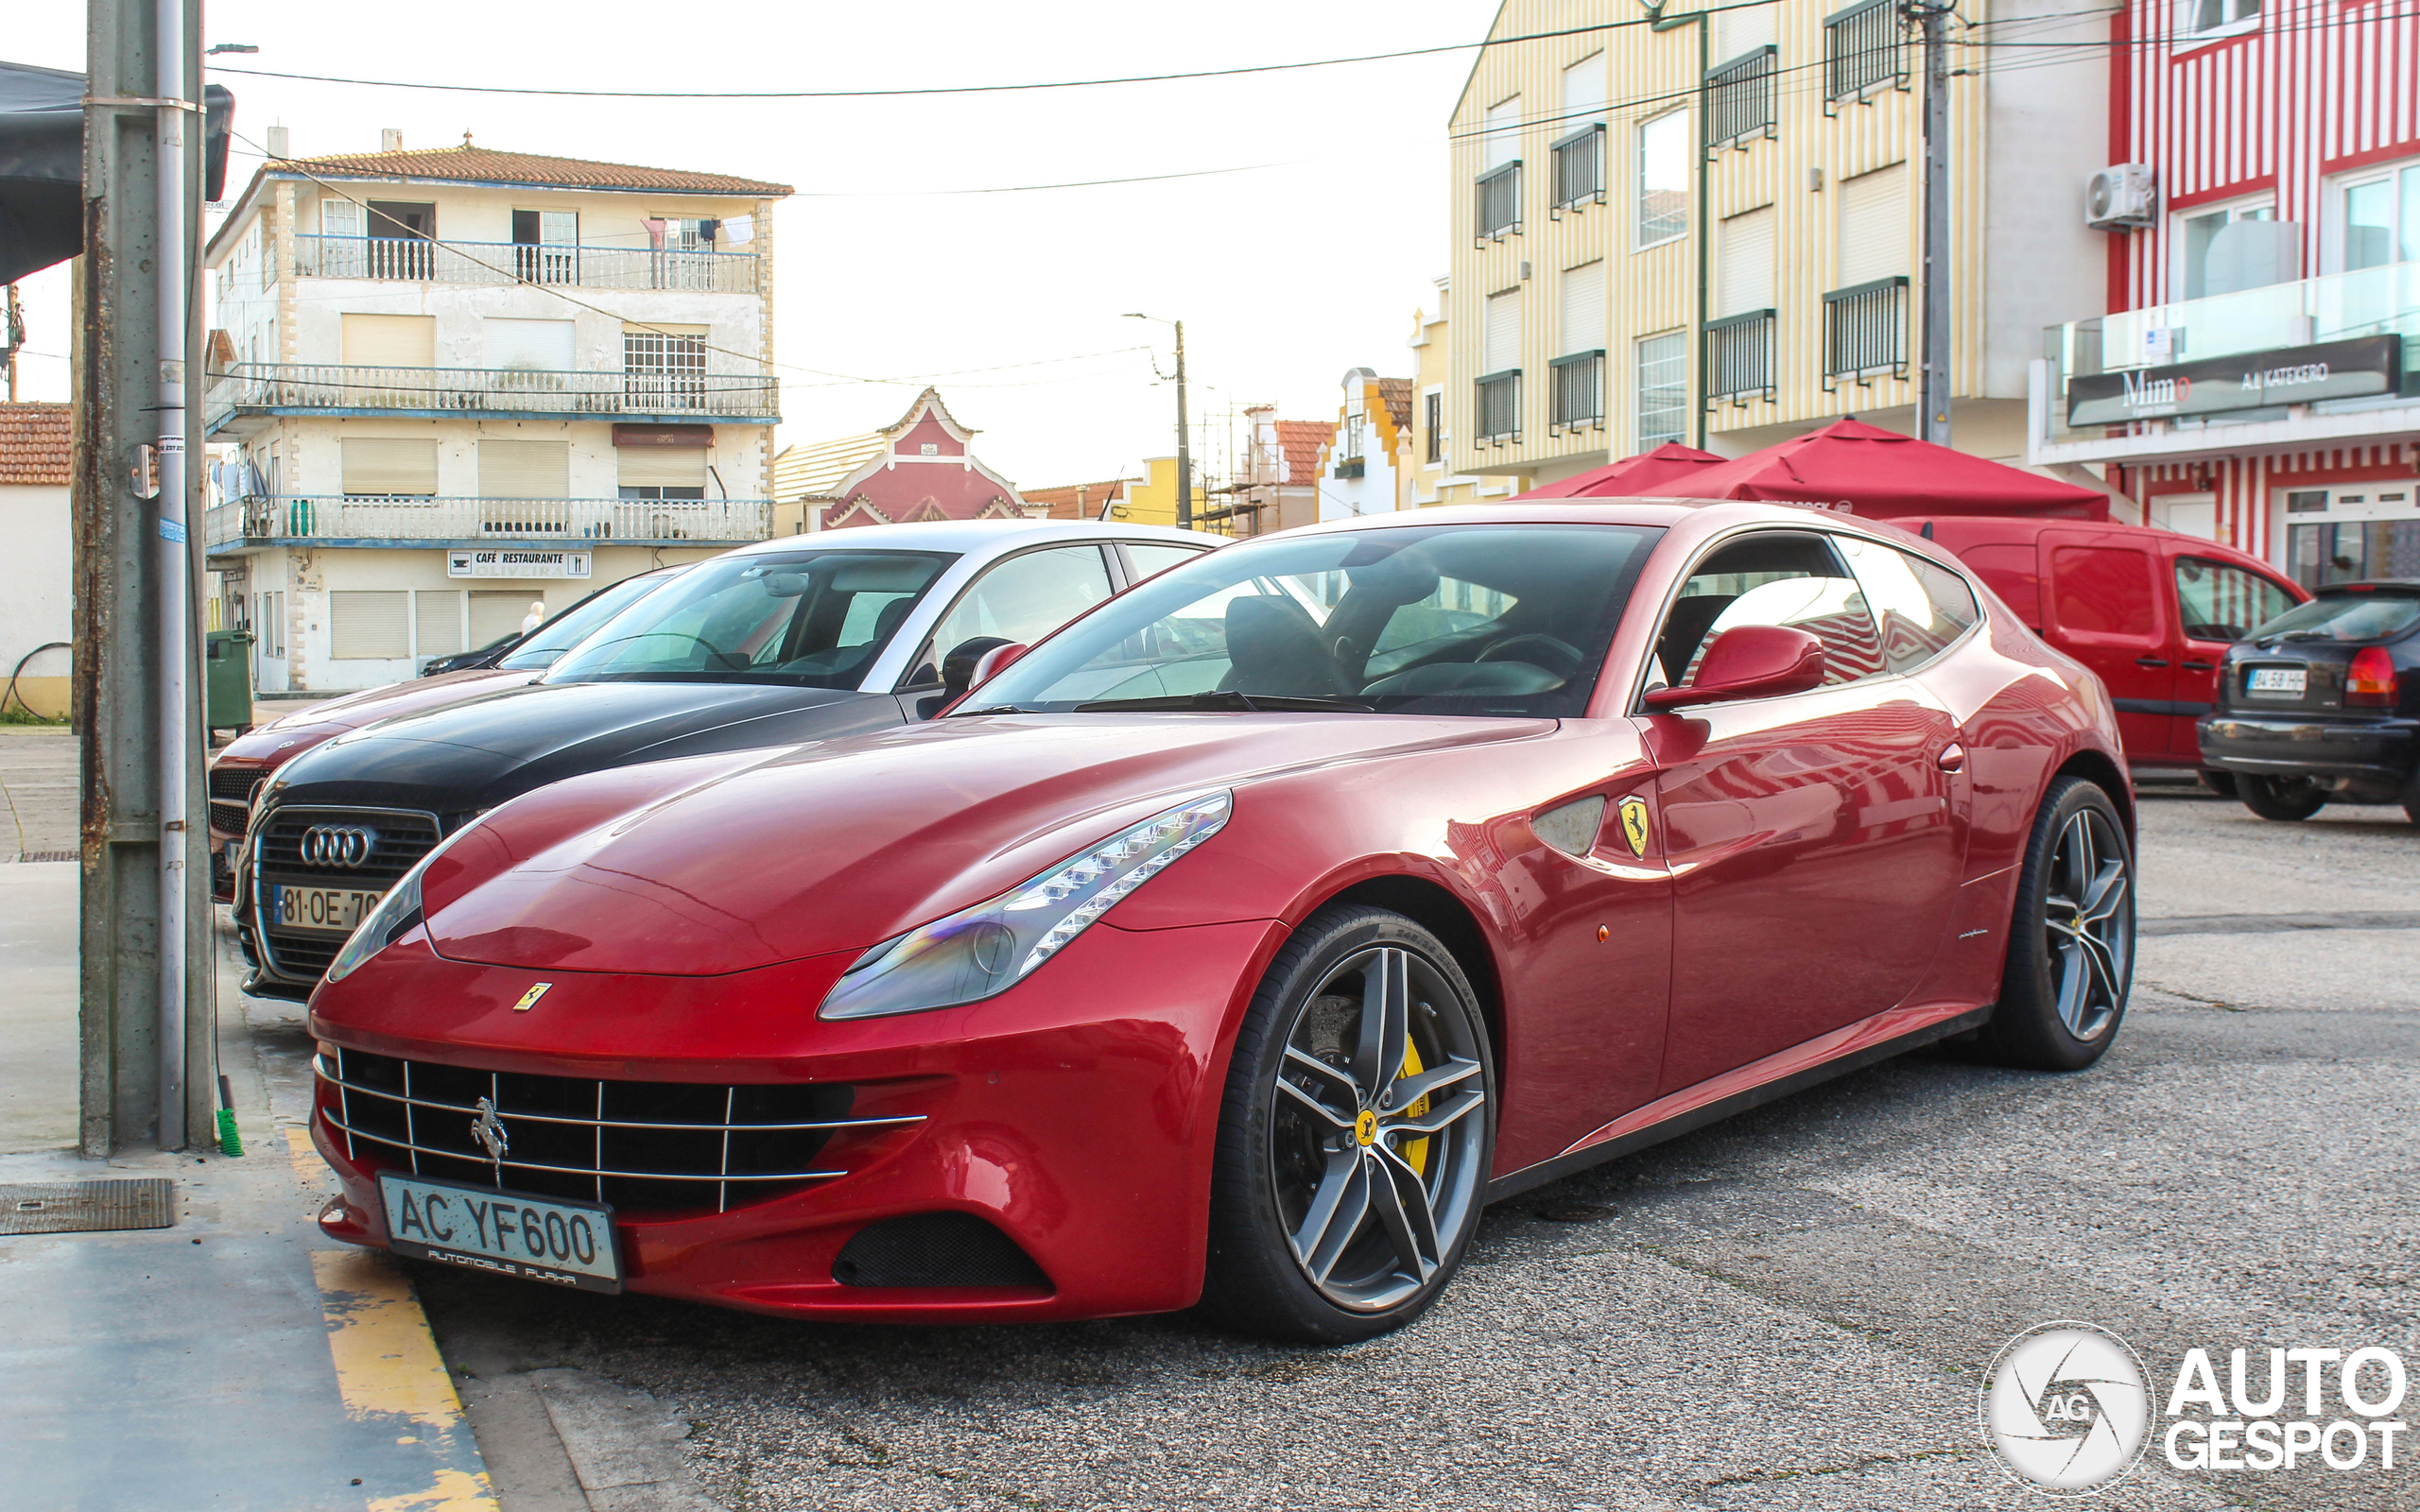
(1634, 811)
(529, 999)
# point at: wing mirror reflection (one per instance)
(957, 668)
(1749, 661)
(988, 666)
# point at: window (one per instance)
(1356, 434)
(664, 367)
(2202, 18)
(1432, 420)
(1739, 342)
(370, 624)
(1580, 135)
(1743, 278)
(1790, 580)
(2350, 551)
(381, 467)
(1018, 602)
(1151, 557)
(1919, 606)
(269, 624)
(1740, 90)
(437, 622)
(661, 472)
(1662, 177)
(1663, 388)
(1863, 50)
(2219, 602)
(525, 470)
(529, 347)
(1499, 381)
(2381, 219)
(402, 239)
(545, 245)
(1579, 370)
(1875, 228)
(2237, 247)
(1500, 179)
(2102, 590)
(1865, 314)
(390, 340)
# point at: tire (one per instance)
(2281, 798)
(1328, 1136)
(2219, 782)
(2071, 939)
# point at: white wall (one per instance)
(38, 605)
(2047, 131)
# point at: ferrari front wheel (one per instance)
(1356, 1134)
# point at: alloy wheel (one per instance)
(1378, 1129)
(2087, 921)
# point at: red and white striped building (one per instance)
(2281, 239)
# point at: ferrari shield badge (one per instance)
(1633, 812)
(529, 999)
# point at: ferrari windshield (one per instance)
(1510, 619)
(811, 619)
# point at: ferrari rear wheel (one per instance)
(2072, 942)
(1355, 1139)
(2281, 798)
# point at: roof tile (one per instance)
(36, 441)
(476, 164)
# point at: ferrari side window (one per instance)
(1795, 581)
(1919, 607)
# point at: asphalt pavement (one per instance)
(1789, 1310)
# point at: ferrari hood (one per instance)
(703, 868)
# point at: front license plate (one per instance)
(2289, 681)
(539, 1239)
(319, 910)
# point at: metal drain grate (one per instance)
(87, 1207)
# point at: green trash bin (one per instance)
(227, 698)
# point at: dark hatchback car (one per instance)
(797, 639)
(2321, 704)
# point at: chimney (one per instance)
(390, 138)
(277, 144)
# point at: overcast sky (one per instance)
(1285, 276)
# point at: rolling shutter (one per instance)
(538, 346)
(1502, 125)
(525, 470)
(1583, 308)
(383, 465)
(390, 341)
(1583, 95)
(1742, 29)
(495, 613)
(1744, 279)
(1500, 350)
(663, 467)
(370, 624)
(436, 621)
(1873, 226)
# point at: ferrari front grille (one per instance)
(231, 797)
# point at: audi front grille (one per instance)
(643, 1146)
(403, 837)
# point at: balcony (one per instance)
(1351, 467)
(1739, 100)
(413, 259)
(1740, 357)
(1579, 389)
(322, 519)
(239, 397)
(1580, 169)
(1499, 201)
(1498, 407)
(1865, 50)
(1865, 332)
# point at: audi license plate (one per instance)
(319, 910)
(539, 1239)
(2281, 681)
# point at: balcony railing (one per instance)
(1579, 389)
(1740, 357)
(1499, 406)
(1579, 168)
(277, 387)
(340, 517)
(1499, 200)
(1866, 49)
(1865, 332)
(416, 259)
(1739, 100)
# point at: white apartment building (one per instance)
(457, 382)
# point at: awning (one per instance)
(1647, 472)
(1865, 470)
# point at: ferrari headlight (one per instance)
(984, 950)
(390, 920)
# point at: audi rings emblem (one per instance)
(346, 846)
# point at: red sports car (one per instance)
(1239, 942)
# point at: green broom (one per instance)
(230, 1143)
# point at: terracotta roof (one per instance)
(1076, 500)
(1396, 394)
(34, 444)
(1302, 439)
(466, 164)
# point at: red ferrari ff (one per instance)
(1239, 942)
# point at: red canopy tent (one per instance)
(1865, 470)
(1647, 472)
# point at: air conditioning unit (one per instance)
(2121, 197)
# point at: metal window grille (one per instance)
(1499, 405)
(1580, 168)
(664, 373)
(1740, 357)
(1865, 331)
(1580, 389)
(1499, 200)
(1663, 388)
(1864, 49)
(1739, 100)
(1435, 417)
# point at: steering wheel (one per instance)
(1558, 657)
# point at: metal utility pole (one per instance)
(1932, 391)
(15, 334)
(148, 1019)
(1184, 442)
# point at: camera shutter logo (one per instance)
(2065, 1408)
(339, 846)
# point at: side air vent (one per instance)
(935, 1249)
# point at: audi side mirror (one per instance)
(957, 668)
(1749, 661)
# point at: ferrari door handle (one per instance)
(2153, 661)
(1952, 758)
(2201, 666)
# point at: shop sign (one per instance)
(475, 563)
(2362, 368)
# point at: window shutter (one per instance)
(538, 346)
(1583, 95)
(1501, 349)
(436, 621)
(495, 613)
(1583, 308)
(339, 218)
(1742, 29)
(1873, 226)
(525, 470)
(1744, 281)
(370, 624)
(391, 465)
(391, 340)
(664, 467)
(1502, 128)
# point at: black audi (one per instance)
(2321, 704)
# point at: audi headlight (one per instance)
(978, 952)
(394, 915)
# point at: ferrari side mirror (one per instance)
(1749, 661)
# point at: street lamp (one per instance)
(1184, 446)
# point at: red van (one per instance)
(2152, 611)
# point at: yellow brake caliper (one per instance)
(1415, 1154)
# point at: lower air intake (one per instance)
(935, 1249)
